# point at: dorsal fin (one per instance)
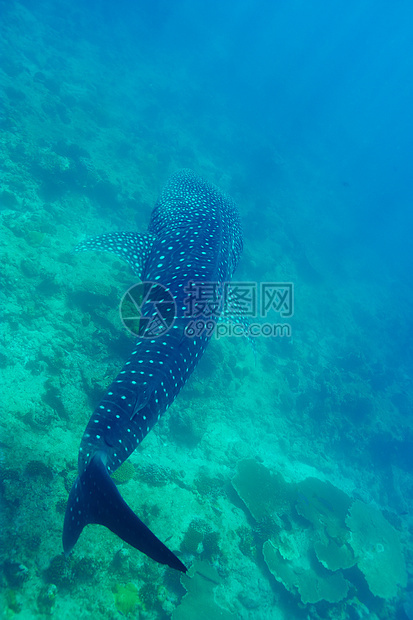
(133, 247)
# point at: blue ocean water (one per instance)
(282, 475)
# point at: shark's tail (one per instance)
(94, 498)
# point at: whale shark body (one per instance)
(194, 236)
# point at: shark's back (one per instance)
(200, 228)
(194, 237)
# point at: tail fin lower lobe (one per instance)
(94, 498)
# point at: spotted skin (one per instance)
(194, 235)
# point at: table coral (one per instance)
(262, 491)
(377, 547)
(312, 585)
(199, 602)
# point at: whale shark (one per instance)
(193, 238)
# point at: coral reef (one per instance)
(59, 571)
(38, 468)
(311, 531)
(126, 598)
(313, 585)
(124, 473)
(200, 601)
(200, 539)
(376, 545)
(46, 599)
(192, 539)
(322, 503)
(263, 492)
(334, 556)
(16, 574)
(154, 475)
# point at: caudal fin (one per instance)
(94, 498)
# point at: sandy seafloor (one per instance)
(80, 156)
